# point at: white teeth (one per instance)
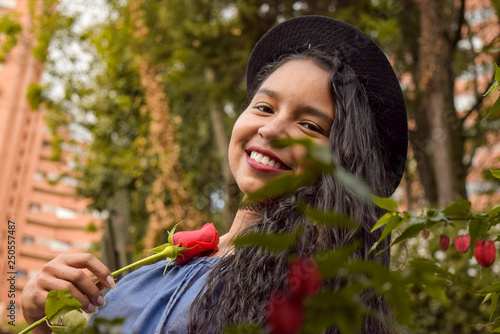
(265, 160)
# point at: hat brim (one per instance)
(364, 56)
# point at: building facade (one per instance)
(41, 215)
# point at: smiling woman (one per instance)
(295, 102)
(310, 77)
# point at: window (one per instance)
(10, 4)
(34, 207)
(27, 240)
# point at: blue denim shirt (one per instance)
(153, 303)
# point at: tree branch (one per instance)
(461, 20)
(479, 101)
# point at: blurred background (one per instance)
(115, 118)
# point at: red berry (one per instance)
(462, 243)
(285, 313)
(485, 252)
(444, 242)
(304, 278)
(425, 233)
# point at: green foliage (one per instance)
(246, 328)
(58, 303)
(272, 242)
(495, 109)
(34, 95)
(9, 32)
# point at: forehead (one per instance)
(299, 79)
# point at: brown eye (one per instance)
(312, 127)
(264, 109)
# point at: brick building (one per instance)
(49, 217)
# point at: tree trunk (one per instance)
(219, 131)
(162, 145)
(436, 85)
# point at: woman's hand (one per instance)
(64, 272)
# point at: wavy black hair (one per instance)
(239, 286)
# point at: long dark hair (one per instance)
(239, 286)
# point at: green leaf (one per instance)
(281, 185)
(75, 322)
(59, 330)
(353, 183)
(495, 173)
(382, 221)
(494, 212)
(392, 223)
(343, 303)
(493, 306)
(272, 242)
(385, 203)
(330, 262)
(497, 73)
(246, 328)
(458, 208)
(494, 288)
(410, 232)
(493, 88)
(495, 108)
(477, 229)
(58, 303)
(331, 218)
(105, 325)
(387, 283)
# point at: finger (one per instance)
(90, 262)
(83, 283)
(99, 285)
(60, 284)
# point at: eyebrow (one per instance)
(309, 109)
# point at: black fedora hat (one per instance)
(364, 56)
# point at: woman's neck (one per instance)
(244, 217)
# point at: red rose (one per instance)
(444, 242)
(285, 313)
(204, 240)
(304, 278)
(462, 243)
(485, 252)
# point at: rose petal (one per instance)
(285, 314)
(304, 278)
(199, 241)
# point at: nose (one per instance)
(275, 128)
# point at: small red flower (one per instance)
(485, 252)
(444, 242)
(204, 240)
(285, 313)
(304, 278)
(462, 243)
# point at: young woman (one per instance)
(310, 77)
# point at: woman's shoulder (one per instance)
(154, 297)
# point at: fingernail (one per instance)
(111, 282)
(91, 308)
(100, 301)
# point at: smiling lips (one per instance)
(264, 160)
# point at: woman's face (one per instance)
(294, 101)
